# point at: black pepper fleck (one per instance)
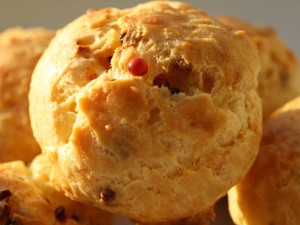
(174, 91)
(60, 213)
(4, 194)
(121, 37)
(107, 195)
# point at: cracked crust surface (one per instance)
(279, 78)
(133, 148)
(20, 50)
(269, 194)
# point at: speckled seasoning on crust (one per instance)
(166, 156)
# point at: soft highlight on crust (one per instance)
(269, 194)
(167, 157)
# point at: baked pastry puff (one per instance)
(279, 78)
(149, 112)
(20, 50)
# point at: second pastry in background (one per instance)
(279, 79)
(82, 213)
(25, 200)
(270, 193)
(20, 49)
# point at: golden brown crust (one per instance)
(279, 79)
(134, 148)
(269, 194)
(20, 50)
(82, 213)
(25, 204)
(28, 200)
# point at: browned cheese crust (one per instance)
(279, 79)
(270, 193)
(20, 50)
(122, 143)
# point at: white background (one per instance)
(54, 14)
